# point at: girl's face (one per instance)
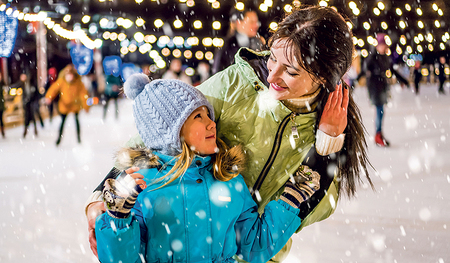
(287, 80)
(199, 132)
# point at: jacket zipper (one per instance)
(273, 154)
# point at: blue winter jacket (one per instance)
(196, 218)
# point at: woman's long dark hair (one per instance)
(322, 44)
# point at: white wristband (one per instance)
(96, 196)
(326, 144)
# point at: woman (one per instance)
(72, 97)
(294, 84)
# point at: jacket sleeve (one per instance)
(399, 76)
(84, 96)
(118, 240)
(53, 91)
(325, 166)
(259, 238)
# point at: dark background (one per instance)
(168, 10)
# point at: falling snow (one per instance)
(43, 189)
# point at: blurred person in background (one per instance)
(2, 106)
(72, 97)
(53, 107)
(202, 73)
(376, 66)
(442, 77)
(417, 75)
(176, 71)
(30, 101)
(246, 35)
(112, 91)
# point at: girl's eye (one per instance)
(198, 116)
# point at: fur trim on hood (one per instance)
(136, 157)
(232, 160)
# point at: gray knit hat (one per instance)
(160, 109)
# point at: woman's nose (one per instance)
(273, 74)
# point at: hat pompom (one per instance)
(135, 84)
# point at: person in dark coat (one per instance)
(376, 67)
(112, 91)
(442, 76)
(52, 76)
(417, 76)
(30, 101)
(2, 106)
(245, 35)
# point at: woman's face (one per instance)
(287, 80)
(199, 132)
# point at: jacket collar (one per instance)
(198, 162)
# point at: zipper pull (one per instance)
(295, 132)
(294, 127)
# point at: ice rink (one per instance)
(406, 219)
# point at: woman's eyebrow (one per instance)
(286, 65)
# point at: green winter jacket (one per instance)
(247, 115)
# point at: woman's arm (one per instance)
(399, 76)
(259, 238)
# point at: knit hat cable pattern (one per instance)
(160, 109)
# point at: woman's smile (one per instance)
(277, 87)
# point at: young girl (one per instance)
(197, 208)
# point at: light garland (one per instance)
(143, 43)
(57, 28)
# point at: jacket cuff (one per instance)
(96, 196)
(283, 202)
(120, 223)
(326, 144)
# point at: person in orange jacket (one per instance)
(72, 97)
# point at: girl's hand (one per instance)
(138, 177)
(120, 194)
(334, 116)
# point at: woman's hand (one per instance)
(93, 211)
(334, 116)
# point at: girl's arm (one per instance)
(118, 231)
(259, 238)
(118, 239)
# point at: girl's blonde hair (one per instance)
(227, 163)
